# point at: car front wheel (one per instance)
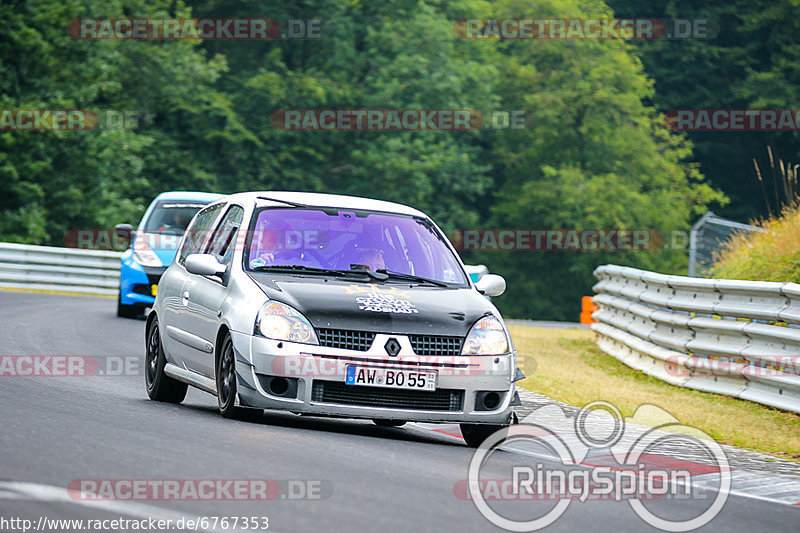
(226, 385)
(126, 311)
(388, 423)
(475, 434)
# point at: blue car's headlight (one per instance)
(281, 322)
(487, 337)
(145, 255)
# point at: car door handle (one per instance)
(185, 297)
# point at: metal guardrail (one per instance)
(59, 269)
(734, 337)
(24, 266)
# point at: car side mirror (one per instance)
(204, 265)
(124, 232)
(491, 285)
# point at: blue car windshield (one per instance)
(346, 240)
(171, 217)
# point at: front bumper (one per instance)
(316, 378)
(136, 282)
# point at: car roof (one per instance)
(338, 201)
(193, 196)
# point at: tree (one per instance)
(750, 62)
(594, 156)
(54, 181)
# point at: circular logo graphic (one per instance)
(637, 473)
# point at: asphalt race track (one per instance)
(56, 430)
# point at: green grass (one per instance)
(567, 366)
(773, 255)
(65, 293)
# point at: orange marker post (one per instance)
(587, 308)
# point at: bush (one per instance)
(772, 255)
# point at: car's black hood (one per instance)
(380, 307)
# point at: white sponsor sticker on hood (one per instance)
(385, 303)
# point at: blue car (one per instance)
(153, 247)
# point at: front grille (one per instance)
(346, 339)
(361, 341)
(338, 392)
(140, 288)
(436, 344)
(154, 274)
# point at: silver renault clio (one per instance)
(330, 305)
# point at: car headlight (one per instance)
(487, 337)
(145, 255)
(281, 322)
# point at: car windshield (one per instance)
(171, 217)
(346, 240)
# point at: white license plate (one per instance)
(390, 378)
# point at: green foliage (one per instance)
(51, 182)
(772, 255)
(751, 64)
(593, 154)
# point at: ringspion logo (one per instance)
(597, 456)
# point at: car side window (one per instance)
(198, 234)
(224, 240)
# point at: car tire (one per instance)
(160, 387)
(382, 422)
(126, 311)
(475, 434)
(225, 377)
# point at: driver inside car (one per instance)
(177, 222)
(368, 259)
(265, 243)
(276, 245)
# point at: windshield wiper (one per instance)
(411, 277)
(300, 269)
(380, 276)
